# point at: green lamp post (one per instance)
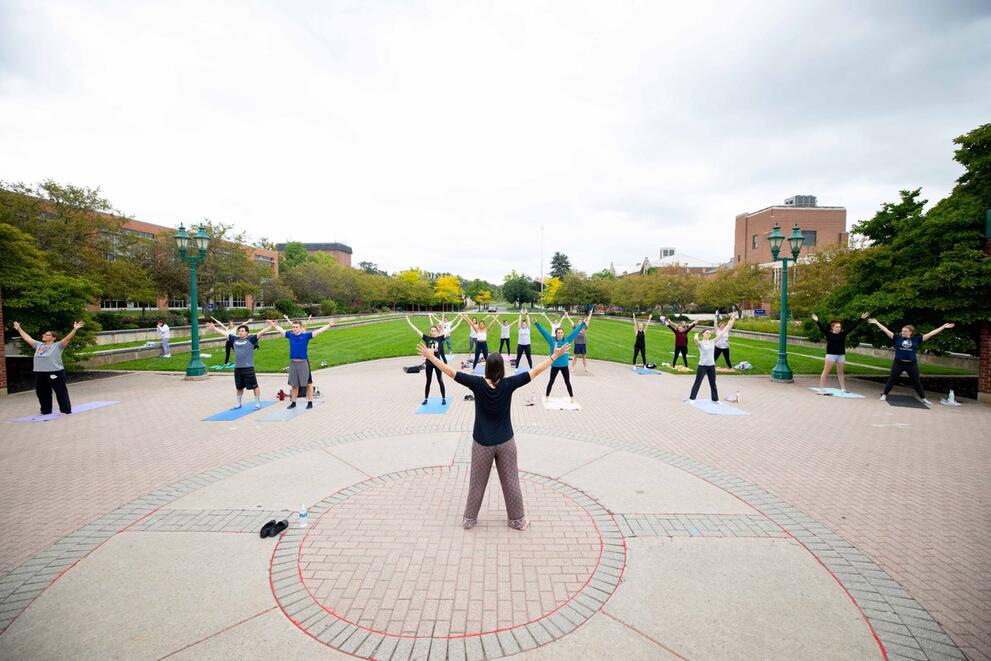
(195, 369)
(781, 372)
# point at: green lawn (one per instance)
(608, 339)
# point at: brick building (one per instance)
(339, 251)
(823, 227)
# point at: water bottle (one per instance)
(304, 517)
(951, 398)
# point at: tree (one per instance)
(560, 265)
(735, 286)
(518, 289)
(371, 268)
(483, 298)
(447, 290)
(576, 289)
(815, 278)
(550, 291)
(294, 255)
(474, 287)
(671, 286)
(630, 293)
(925, 268)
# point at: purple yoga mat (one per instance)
(81, 408)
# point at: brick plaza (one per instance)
(801, 531)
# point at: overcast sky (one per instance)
(444, 134)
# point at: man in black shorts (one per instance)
(243, 346)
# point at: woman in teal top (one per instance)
(560, 363)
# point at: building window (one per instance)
(237, 302)
(113, 304)
(810, 237)
(755, 241)
(178, 303)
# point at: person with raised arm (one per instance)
(836, 347)
(707, 359)
(244, 345)
(560, 364)
(299, 360)
(560, 321)
(481, 337)
(493, 431)
(906, 358)
(523, 339)
(435, 341)
(680, 339)
(581, 342)
(504, 328)
(722, 345)
(49, 372)
(640, 339)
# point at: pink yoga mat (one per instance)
(81, 408)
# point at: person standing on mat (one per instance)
(523, 340)
(707, 359)
(434, 341)
(49, 372)
(230, 326)
(906, 347)
(299, 361)
(581, 342)
(164, 334)
(481, 338)
(472, 333)
(560, 363)
(680, 339)
(722, 345)
(493, 432)
(836, 347)
(244, 345)
(504, 329)
(640, 340)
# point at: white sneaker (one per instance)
(884, 397)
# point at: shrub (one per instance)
(288, 307)
(328, 307)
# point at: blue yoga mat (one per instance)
(479, 369)
(80, 408)
(643, 370)
(836, 392)
(284, 414)
(433, 405)
(233, 414)
(520, 370)
(716, 408)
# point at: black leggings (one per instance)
(725, 353)
(44, 384)
(480, 348)
(228, 348)
(567, 379)
(523, 349)
(912, 368)
(505, 340)
(705, 370)
(440, 381)
(684, 354)
(642, 350)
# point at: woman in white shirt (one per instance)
(707, 362)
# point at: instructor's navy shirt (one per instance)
(905, 347)
(492, 421)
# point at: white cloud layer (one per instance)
(444, 134)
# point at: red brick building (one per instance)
(823, 227)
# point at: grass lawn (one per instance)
(608, 339)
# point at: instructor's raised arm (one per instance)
(24, 336)
(547, 362)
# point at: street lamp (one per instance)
(195, 369)
(781, 372)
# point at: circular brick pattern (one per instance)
(389, 558)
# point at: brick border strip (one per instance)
(314, 619)
(902, 624)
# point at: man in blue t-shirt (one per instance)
(299, 363)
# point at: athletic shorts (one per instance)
(836, 358)
(299, 373)
(244, 378)
(580, 349)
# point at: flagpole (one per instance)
(541, 261)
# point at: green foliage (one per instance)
(294, 255)
(518, 289)
(560, 265)
(814, 279)
(735, 287)
(287, 307)
(110, 321)
(329, 307)
(371, 268)
(670, 287)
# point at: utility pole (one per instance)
(541, 262)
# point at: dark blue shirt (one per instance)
(298, 344)
(905, 347)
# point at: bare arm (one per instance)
(884, 330)
(24, 336)
(326, 327)
(437, 362)
(547, 362)
(220, 331)
(729, 324)
(68, 338)
(413, 326)
(273, 324)
(634, 323)
(455, 326)
(938, 330)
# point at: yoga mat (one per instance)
(561, 404)
(905, 401)
(479, 369)
(233, 414)
(283, 414)
(80, 408)
(836, 392)
(521, 370)
(715, 408)
(645, 370)
(433, 405)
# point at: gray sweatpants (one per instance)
(165, 346)
(504, 456)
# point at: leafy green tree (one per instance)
(518, 289)
(576, 289)
(483, 298)
(560, 265)
(294, 255)
(736, 286)
(816, 278)
(630, 293)
(671, 286)
(371, 268)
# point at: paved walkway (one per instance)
(803, 530)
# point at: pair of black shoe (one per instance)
(309, 405)
(273, 528)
